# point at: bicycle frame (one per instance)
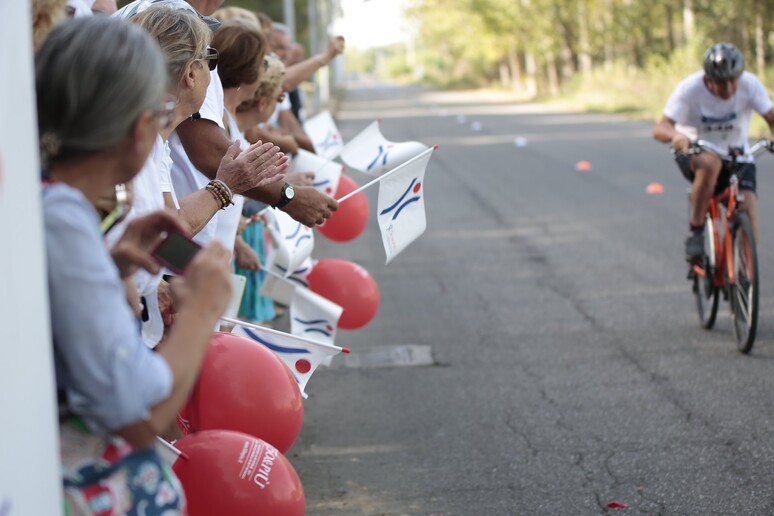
(722, 243)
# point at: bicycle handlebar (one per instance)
(755, 149)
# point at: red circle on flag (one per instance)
(417, 187)
(303, 366)
(328, 190)
(329, 328)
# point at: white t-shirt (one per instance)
(722, 122)
(186, 178)
(149, 186)
(228, 219)
(281, 106)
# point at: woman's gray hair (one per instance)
(94, 76)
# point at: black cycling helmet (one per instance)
(723, 62)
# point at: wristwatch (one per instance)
(287, 195)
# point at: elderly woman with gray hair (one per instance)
(101, 85)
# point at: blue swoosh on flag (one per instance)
(413, 199)
(291, 237)
(301, 239)
(395, 205)
(316, 321)
(274, 347)
(321, 183)
(317, 330)
(371, 165)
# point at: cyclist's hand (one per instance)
(681, 143)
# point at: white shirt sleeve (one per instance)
(759, 97)
(677, 105)
(213, 107)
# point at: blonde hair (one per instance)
(46, 14)
(236, 13)
(182, 36)
(271, 81)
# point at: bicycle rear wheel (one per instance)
(704, 287)
(743, 293)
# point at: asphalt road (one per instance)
(569, 370)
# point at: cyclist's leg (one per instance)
(747, 187)
(703, 172)
(706, 169)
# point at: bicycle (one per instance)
(730, 262)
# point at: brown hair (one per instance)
(242, 47)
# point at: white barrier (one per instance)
(29, 451)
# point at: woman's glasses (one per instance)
(211, 56)
(166, 112)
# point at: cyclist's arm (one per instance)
(664, 131)
(769, 117)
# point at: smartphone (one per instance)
(176, 251)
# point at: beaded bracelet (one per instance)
(221, 192)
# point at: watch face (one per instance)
(289, 192)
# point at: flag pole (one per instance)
(391, 172)
(171, 448)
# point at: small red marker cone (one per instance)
(583, 166)
(655, 188)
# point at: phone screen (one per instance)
(176, 251)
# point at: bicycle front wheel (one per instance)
(704, 286)
(743, 292)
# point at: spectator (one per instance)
(101, 85)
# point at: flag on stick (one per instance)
(370, 152)
(401, 206)
(314, 317)
(276, 287)
(326, 172)
(292, 242)
(301, 355)
(325, 136)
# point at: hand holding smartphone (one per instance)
(176, 251)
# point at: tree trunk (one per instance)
(515, 66)
(689, 22)
(760, 47)
(609, 35)
(551, 75)
(670, 27)
(531, 68)
(583, 36)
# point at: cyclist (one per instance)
(717, 102)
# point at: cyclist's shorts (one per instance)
(745, 173)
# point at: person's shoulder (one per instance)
(749, 79)
(65, 207)
(693, 80)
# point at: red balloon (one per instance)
(245, 387)
(349, 285)
(349, 221)
(232, 473)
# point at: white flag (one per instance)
(277, 288)
(370, 152)
(325, 136)
(292, 242)
(302, 356)
(401, 205)
(326, 172)
(314, 317)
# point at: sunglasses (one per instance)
(211, 56)
(280, 97)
